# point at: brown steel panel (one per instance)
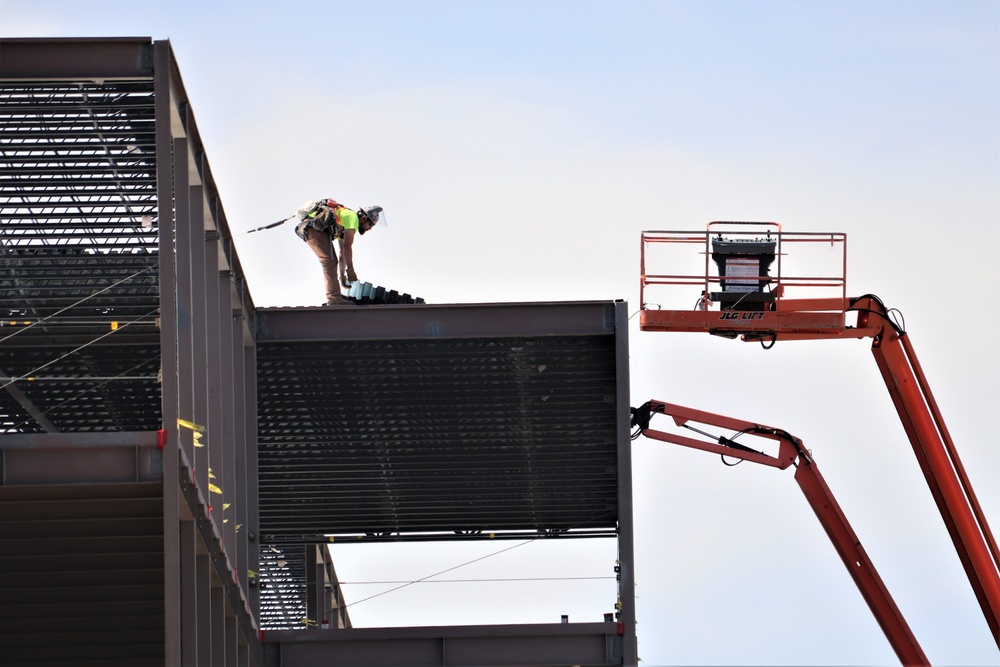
(82, 528)
(497, 645)
(91, 465)
(71, 58)
(431, 321)
(80, 509)
(105, 440)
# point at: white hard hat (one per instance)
(375, 214)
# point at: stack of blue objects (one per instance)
(366, 293)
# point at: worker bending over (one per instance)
(323, 221)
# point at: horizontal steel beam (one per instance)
(79, 465)
(78, 440)
(491, 320)
(542, 644)
(83, 58)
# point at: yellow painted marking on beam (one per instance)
(183, 423)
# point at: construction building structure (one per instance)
(173, 459)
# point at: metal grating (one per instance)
(282, 583)
(438, 438)
(78, 257)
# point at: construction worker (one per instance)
(352, 223)
(325, 220)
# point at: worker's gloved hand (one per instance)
(345, 282)
(351, 275)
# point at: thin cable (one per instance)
(73, 351)
(270, 226)
(89, 389)
(473, 581)
(429, 576)
(460, 565)
(73, 305)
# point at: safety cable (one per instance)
(270, 226)
(14, 379)
(77, 303)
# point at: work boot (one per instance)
(339, 301)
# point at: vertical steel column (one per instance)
(252, 525)
(204, 601)
(168, 352)
(189, 593)
(232, 641)
(200, 335)
(235, 407)
(315, 585)
(182, 303)
(221, 386)
(218, 623)
(626, 549)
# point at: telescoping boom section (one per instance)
(753, 281)
(791, 452)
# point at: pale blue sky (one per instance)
(519, 149)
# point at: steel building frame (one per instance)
(152, 445)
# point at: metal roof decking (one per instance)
(395, 429)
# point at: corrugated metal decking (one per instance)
(438, 437)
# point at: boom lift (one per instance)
(807, 300)
(791, 452)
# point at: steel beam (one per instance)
(495, 645)
(86, 465)
(172, 565)
(71, 58)
(106, 440)
(491, 320)
(626, 549)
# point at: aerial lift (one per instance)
(806, 299)
(791, 452)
